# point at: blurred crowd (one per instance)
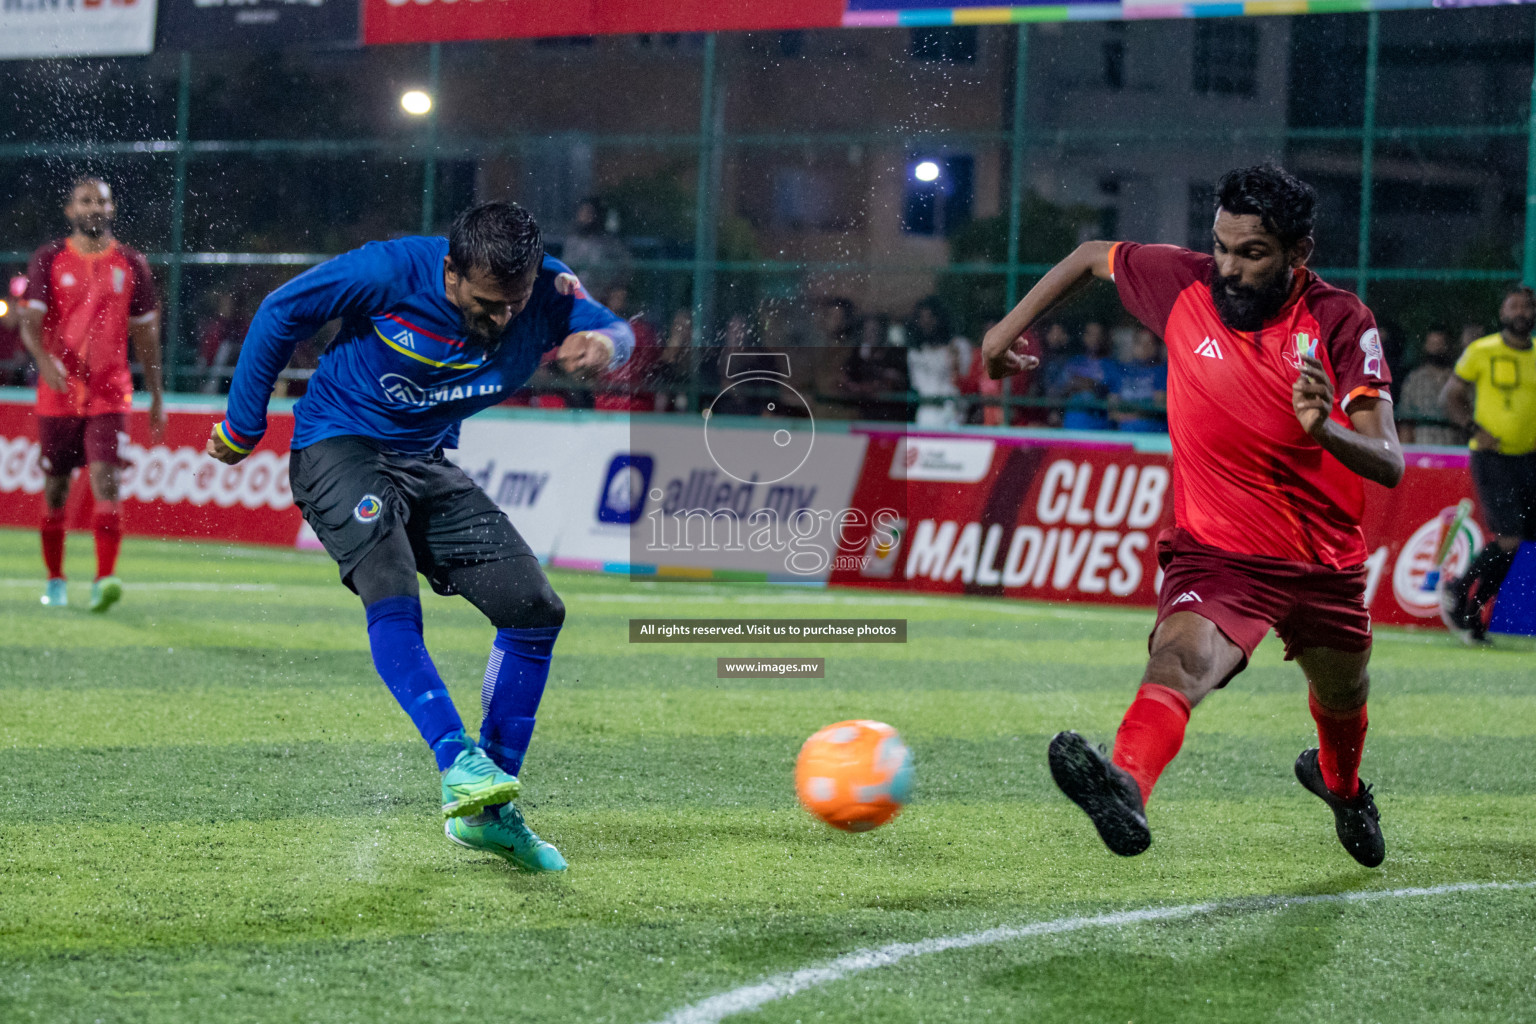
(844, 363)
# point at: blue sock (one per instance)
(400, 655)
(514, 684)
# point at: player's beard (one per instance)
(1246, 307)
(485, 336)
(92, 227)
(1519, 326)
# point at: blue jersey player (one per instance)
(432, 330)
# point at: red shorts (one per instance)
(68, 442)
(1245, 596)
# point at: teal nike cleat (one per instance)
(105, 593)
(56, 595)
(507, 836)
(473, 782)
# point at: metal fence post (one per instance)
(429, 169)
(705, 212)
(171, 370)
(1015, 189)
(1528, 266)
(1367, 155)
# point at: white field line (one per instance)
(1033, 611)
(173, 585)
(1019, 610)
(782, 986)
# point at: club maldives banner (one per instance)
(76, 28)
(169, 487)
(217, 24)
(1078, 521)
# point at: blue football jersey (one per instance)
(401, 370)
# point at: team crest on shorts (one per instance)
(368, 509)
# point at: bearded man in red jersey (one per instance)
(87, 295)
(1278, 411)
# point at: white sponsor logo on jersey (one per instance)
(1188, 595)
(1209, 349)
(1370, 344)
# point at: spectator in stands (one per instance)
(1419, 398)
(1469, 334)
(14, 358)
(875, 374)
(738, 335)
(629, 388)
(1138, 388)
(977, 382)
(835, 328)
(593, 248)
(936, 358)
(218, 344)
(674, 361)
(1054, 350)
(1081, 382)
(837, 322)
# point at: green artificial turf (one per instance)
(212, 810)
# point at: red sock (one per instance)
(1340, 741)
(53, 542)
(1151, 734)
(108, 526)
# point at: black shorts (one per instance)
(353, 491)
(1506, 487)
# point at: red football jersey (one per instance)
(1247, 478)
(88, 301)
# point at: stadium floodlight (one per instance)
(926, 170)
(5, 307)
(416, 102)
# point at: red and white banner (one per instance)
(1078, 521)
(424, 21)
(1026, 517)
(169, 488)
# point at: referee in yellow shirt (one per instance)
(1493, 393)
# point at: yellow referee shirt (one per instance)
(1505, 379)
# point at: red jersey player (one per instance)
(1278, 411)
(86, 296)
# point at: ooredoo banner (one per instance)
(76, 28)
(1078, 521)
(169, 487)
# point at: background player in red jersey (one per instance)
(1278, 411)
(87, 295)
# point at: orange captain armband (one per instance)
(1364, 391)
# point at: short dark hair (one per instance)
(1284, 203)
(499, 238)
(1518, 289)
(85, 179)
